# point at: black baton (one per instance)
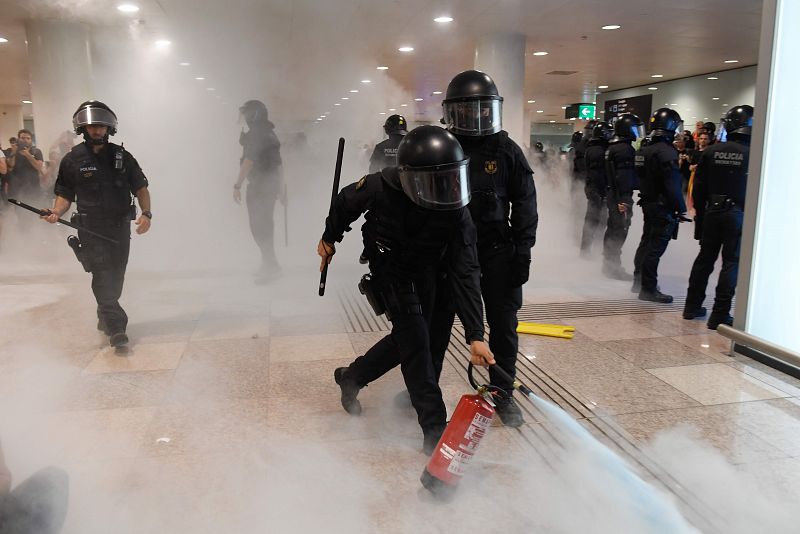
(62, 221)
(336, 175)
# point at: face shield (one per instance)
(97, 116)
(443, 187)
(722, 133)
(474, 117)
(637, 131)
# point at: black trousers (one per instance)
(659, 226)
(37, 506)
(616, 232)
(501, 303)
(408, 345)
(591, 221)
(260, 199)
(108, 262)
(722, 230)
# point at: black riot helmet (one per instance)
(665, 123)
(539, 147)
(433, 170)
(472, 105)
(602, 130)
(587, 129)
(395, 124)
(96, 113)
(628, 127)
(576, 137)
(254, 111)
(738, 121)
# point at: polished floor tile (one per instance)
(144, 357)
(656, 352)
(716, 383)
(671, 323)
(310, 347)
(711, 344)
(252, 327)
(613, 327)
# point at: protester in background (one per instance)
(26, 166)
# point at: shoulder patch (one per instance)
(361, 182)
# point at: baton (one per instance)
(336, 175)
(62, 221)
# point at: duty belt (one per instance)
(721, 201)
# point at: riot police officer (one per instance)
(720, 182)
(416, 219)
(102, 176)
(596, 182)
(620, 166)
(503, 207)
(385, 153)
(581, 140)
(662, 203)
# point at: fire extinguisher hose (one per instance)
(525, 390)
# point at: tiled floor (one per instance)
(224, 418)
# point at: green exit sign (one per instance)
(586, 111)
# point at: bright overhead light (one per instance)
(539, 111)
(27, 102)
(563, 107)
(731, 61)
(383, 68)
(437, 92)
(612, 27)
(337, 104)
(353, 90)
(366, 81)
(657, 76)
(392, 109)
(345, 98)
(443, 20)
(602, 87)
(417, 100)
(552, 121)
(531, 101)
(128, 8)
(653, 88)
(715, 98)
(713, 78)
(724, 105)
(200, 78)
(184, 64)
(403, 105)
(573, 118)
(3, 40)
(406, 49)
(540, 53)
(163, 43)
(382, 113)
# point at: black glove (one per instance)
(520, 270)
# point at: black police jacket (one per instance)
(662, 180)
(405, 241)
(621, 170)
(385, 153)
(503, 204)
(722, 171)
(261, 146)
(595, 160)
(579, 163)
(102, 183)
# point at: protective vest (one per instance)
(621, 169)
(102, 185)
(596, 166)
(725, 167)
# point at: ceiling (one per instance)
(305, 55)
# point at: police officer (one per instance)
(261, 165)
(662, 203)
(596, 182)
(720, 182)
(102, 176)
(503, 207)
(415, 219)
(620, 166)
(385, 153)
(581, 140)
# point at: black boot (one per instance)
(695, 313)
(349, 391)
(616, 272)
(655, 296)
(120, 342)
(509, 412)
(715, 319)
(430, 438)
(102, 327)
(637, 284)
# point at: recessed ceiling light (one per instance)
(366, 81)
(602, 87)
(552, 121)
(540, 53)
(163, 43)
(128, 8)
(338, 104)
(345, 98)
(382, 113)
(437, 92)
(653, 88)
(3, 40)
(563, 107)
(573, 118)
(657, 76)
(612, 27)
(184, 64)
(531, 101)
(321, 117)
(353, 90)
(392, 109)
(406, 49)
(713, 78)
(210, 89)
(403, 105)
(724, 105)
(731, 61)
(27, 102)
(539, 111)
(443, 20)
(705, 118)
(383, 68)
(715, 98)
(417, 100)
(200, 78)
(694, 117)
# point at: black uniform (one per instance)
(595, 189)
(661, 201)
(405, 245)
(579, 159)
(720, 181)
(261, 146)
(621, 175)
(503, 207)
(104, 206)
(385, 153)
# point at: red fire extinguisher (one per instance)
(469, 423)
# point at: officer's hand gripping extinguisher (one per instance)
(469, 423)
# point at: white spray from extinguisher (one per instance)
(659, 513)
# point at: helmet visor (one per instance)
(637, 131)
(474, 117)
(722, 132)
(91, 115)
(437, 188)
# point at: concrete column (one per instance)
(60, 74)
(502, 56)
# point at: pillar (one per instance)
(502, 56)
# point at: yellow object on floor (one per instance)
(552, 330)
